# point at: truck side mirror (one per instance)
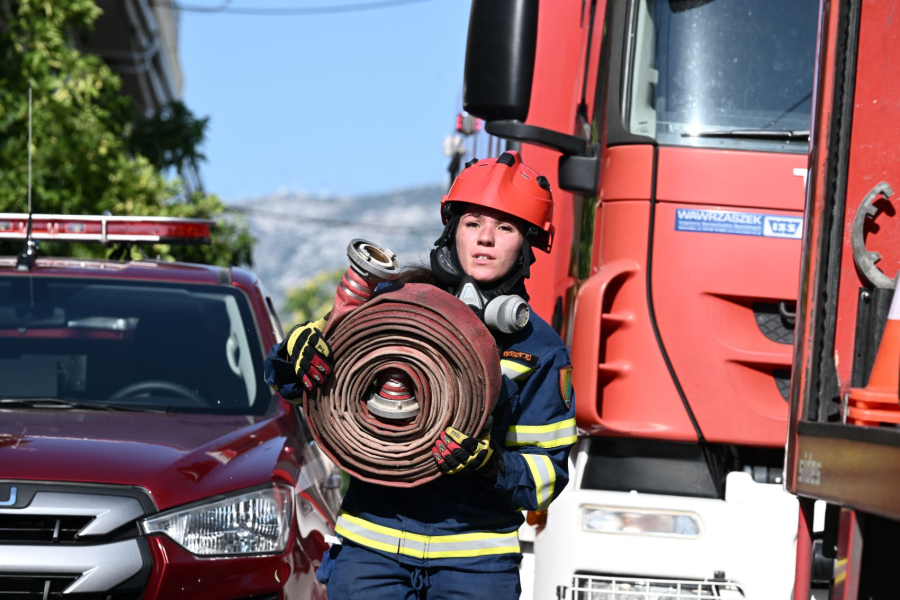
(500, 55)
(500, 59)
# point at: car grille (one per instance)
(603, 587)
(14, 528)
(46, 529)
(48, 587)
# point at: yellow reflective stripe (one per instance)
(364, 541)
(544, 478)
(515, 370)
(432, 539)
(391, 540)
(474, 552)
(553, 435)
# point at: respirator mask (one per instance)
(504, 312)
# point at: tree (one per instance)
(314, 298)
(89, 142)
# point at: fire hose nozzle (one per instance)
(394, 399)
(370, 265)
(373, 262)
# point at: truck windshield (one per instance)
(130, 344)
(722, 66)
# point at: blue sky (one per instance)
(347, 103)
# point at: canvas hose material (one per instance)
(453, 363)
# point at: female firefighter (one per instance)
(456, 537)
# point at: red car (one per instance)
(142, 455)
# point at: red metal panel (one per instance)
(556, 89)
(626, 173)
(622, 382)
(874, 157)
(705, 286)
(741, 179)
(849, 557)
(803, 565)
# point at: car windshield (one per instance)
(130, 344)
(742, 66)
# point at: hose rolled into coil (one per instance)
(448, 354)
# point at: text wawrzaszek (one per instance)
(710, 216)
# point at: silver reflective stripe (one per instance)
(544, 478)
(110, 512)
(101, 567)
(552, 435)
(515, 370)
(395, 541)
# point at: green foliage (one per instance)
(87, 159)
(170, 138)
(314, 298)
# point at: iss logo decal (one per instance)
(739, 223)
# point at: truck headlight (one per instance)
(640, 522)
(252, 522)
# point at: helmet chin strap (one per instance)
(502, 304)
(449, 273)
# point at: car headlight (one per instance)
(640, 522)
(253, 522)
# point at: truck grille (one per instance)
(774, 321)
(783, 381)
(15, 528)
(602, 587)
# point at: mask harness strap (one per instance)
(448, 272)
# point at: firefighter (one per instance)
(456, 537)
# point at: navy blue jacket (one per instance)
(463, 520)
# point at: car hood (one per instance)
(179, 458)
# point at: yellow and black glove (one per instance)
(455, 452)
(309, 354)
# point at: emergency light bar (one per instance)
(466, 124)
(106, 229)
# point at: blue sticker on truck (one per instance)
(738, 223)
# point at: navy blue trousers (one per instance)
(352, 572)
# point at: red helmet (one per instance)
(507, 185)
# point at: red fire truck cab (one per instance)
(674, 134)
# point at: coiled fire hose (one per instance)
(407, 364)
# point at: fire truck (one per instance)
(844, 446)
(675, 136)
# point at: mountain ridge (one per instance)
(299, 235)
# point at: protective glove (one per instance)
(455, 452)
(309, 354)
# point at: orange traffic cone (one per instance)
(878, 402)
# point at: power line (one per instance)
(225, 8)
(282, 216)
